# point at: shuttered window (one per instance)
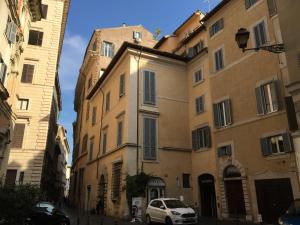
(199, 104)
(27, 73)
(107, 49)
(267, 98)
(224, 150)
(249, 3)
(222, 113)
(149, 88)
(90, 82)
(116, 180)
(84, 143)
(272, 7)
(94, 116)
(198, 76)
(3, 69)
(219, 60)
(122, 85)
(107, 102)
(18, 135)
(11, 31)
(291, 113)
(273, 145)
(201, 138)
(91, 154)
(44, 11)
(35, 37)
(260, 34)
(186, 180)
(87, 115)
(149, 138)
(104, 142)
(216, 27)
(120, 133)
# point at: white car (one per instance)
(170, 211)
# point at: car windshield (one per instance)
(294, 208)
(172, 204)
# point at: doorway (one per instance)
(274, 196)
(234, 192)
(207, 195)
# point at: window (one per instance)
(21, 177)
(120, 133)
(267, 98)
(222, 113)
(219, 60)
(90, 83)
(27, 73)
(122, 85)
(23, 103)
(196, 49)
(44, 11)
(87, 115)
(3, 69)
(107, 49)
(224, 150)
(116, 180)
(198, 76)
(249, 3)
(80, 183)
(216, 27)
(95, 46)
(149, 88)
(11, 31)
(201, 138)
(10, 179)
(199, 104)
(149, 138)
(272, 7)
(18, 135)
(291, 113)
(104, 141)
(94, 116)
(84, 144)
(277, 144)
(137, 35)
(35, 37)
(101, 72)
(91, 148)
(107, 102)
(260, 34)
(186, 180)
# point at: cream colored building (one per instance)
(36, 100)
(206, 120)
(16, 19)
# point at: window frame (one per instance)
(220, 110)
(20, 104)
(267, 148)
(151, 97)
(91, 148)
(39, 40)
(199, 109)
(27, 78)
(149, 148)
(120, 132)
(107, 49)
(205, 132)
(253, 37)
(186, 180)
(198, 71)
(215, 28)
(220, 67)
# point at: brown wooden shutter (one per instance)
(291, 113)
(40, 38)
(18, 135)
(27, 73)
(265, 147)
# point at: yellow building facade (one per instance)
(208, 122)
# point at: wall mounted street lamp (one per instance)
(242, 37)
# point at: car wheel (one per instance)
(169, 221)
(148, 220)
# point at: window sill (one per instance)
(254, 5)
(217, 34)
(282, 155)
(150, 161)
(201, 150)
(195, 84)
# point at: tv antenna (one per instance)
(209, 4)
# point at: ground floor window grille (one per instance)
(116, 180)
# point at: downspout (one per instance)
(101, 121)
(137, 111)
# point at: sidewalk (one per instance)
(74, 214)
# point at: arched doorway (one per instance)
(102, 190)
(207, 195)
(156, 188)
(234, 192)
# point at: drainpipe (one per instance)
(137, 111)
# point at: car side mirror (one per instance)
(162, 207)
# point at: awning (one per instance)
(156, 182)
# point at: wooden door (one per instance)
(207, 195)
(10, 179)
(235, 198)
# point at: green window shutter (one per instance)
(291, 113)
(207, 137)
(265, 147)
(13, 33)
(257, 36)
(287, 142)
(8, 29)
(153, 138)
(152, 88)
(260, 101)
(216, 115)
(120, 129)
(146, 87)
(275, 90)
(228, 111)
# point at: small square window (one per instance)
(23, 104)
(186, 180)
(198, 76)
(35, 38)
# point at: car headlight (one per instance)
(175, 213)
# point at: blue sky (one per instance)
(87, 15)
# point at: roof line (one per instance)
(214, 10)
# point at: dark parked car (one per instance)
(292, 215)
(47, 214)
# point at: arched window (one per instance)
(95, 46)
(231, 171)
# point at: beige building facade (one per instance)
(17, 17)
(208, 122)
(36, 99)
